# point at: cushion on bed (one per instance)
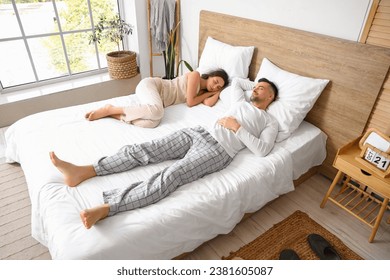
(235, 60)
(226, 93)
(297, 95)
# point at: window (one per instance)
(42, 40)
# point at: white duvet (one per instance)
(193, 214)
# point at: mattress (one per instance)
(193, 214)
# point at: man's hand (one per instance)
(229, 123)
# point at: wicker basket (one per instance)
(122, 64)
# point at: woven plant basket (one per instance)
(122, 64)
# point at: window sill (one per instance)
(25, 94)
(18, 105)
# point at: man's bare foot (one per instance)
(99, 113)
(73, 174)
(91, 216)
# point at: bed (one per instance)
(213, 205)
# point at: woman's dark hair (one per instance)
(273, 86)
(217, 73)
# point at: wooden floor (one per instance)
(17, 243)
(306, 198)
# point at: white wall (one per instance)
(339, 18)
(130, 15)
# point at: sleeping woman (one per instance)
(154, 94)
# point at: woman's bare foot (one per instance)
(99, 113)
(73, 174)
(91, 216)
(106, 111)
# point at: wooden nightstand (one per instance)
(359, 192)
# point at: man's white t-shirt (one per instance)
(258, 129)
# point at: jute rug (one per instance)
(291, 233)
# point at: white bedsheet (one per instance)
(193, 214)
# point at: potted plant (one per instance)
(170, 56)
(121, 64)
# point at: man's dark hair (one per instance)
(273, 86)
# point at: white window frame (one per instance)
(70, 76)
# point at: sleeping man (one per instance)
(198, 152)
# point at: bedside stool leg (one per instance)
(346, 181)
(378, 219)
(334, 183)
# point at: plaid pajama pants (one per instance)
(197, 154)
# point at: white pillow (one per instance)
(235, 60)
(225, 94)
(297, 95)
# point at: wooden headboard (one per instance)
(356, 71)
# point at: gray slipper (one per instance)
(288, 254)
(322, 248)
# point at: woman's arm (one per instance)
(193, 82)
(210, 101)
